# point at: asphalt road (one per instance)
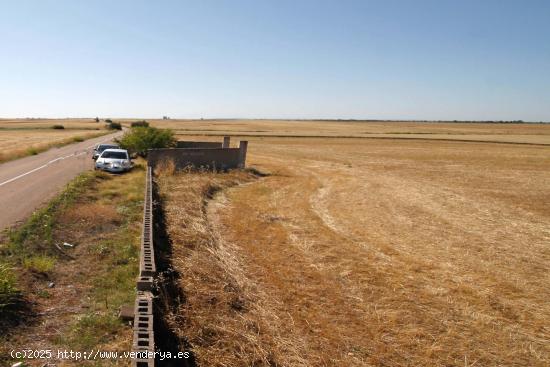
(28, 183)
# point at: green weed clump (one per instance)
(33, 151)
(39, 264)
(8, 287)
(91, 330)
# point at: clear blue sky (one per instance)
(461, 59)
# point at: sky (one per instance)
(417, 59)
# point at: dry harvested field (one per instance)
(23, 137)
(26, 124)
(366, 252)
(522, 133)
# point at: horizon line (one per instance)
(282, 119)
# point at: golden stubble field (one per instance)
(521, 133)
(21, 137)
(366, 252)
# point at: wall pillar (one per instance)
(243, 146)
(226, 141)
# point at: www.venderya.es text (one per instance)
(93, 354)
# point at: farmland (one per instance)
(520, 133)
(360, 251)
(22, 137)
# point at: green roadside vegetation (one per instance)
(141, 137)
(86, 243)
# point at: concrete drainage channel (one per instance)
(157, 291)
(144, 334)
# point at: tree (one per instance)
(97, 119)
(140, 139)
(141, 123)
(114, 125)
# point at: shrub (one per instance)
(139, 139)
(96, 119)
(109, 121)
(78, 139)
(58, 127)
(141, 123)
(114, 126)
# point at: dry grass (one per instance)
(165, 168)
(362, 252)
(214, 315)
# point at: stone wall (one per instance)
(213, 158)
(204, 154)
(198, 144)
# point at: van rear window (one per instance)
(101, 148)
(114, 155)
